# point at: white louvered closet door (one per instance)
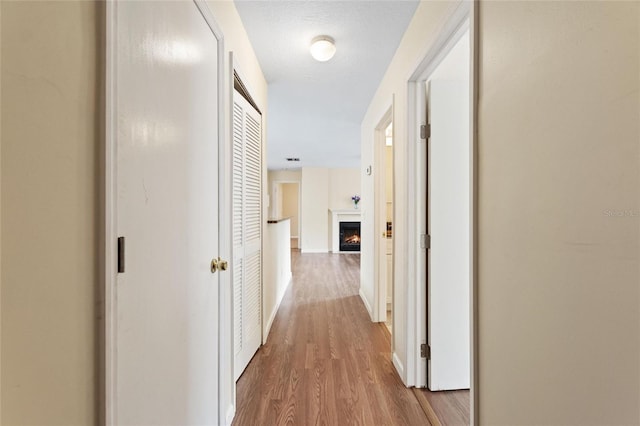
(247, 235)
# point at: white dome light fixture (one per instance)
(322, 48)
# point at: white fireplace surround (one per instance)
(338, 216)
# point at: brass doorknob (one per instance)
(214, 266)
(222, 264)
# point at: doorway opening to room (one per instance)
(388, 231)
(384, 217)
(443, 91)
(286, 204)
(448, 221)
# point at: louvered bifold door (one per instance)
(247, 231)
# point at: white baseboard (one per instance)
(314, 251)
(231, 413)
(275, 309)
(399, 367)
(366, 304)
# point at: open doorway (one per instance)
(448, 221)
(291, 209)
(445, 216)
(384, 217)
(388, 232)
(287, 205)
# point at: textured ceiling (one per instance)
(315, 108)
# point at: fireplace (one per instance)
(349, 236)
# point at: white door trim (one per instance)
(462, 17)
(109, 343)
(235, 66)
(110, 255)
(379, 167)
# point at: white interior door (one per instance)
(449, 227)
(247, 232)
(167, 140)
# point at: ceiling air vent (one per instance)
(293, 159)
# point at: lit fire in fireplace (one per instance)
(354, 239)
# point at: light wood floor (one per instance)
(325, 362)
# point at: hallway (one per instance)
(325, 362)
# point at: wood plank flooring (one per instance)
(445, 408)
(325, 362)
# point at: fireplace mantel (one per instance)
(337, 216)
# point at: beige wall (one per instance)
(279, 199)
(344, 183)
(0, 215)
(321, 189)
(559, 157)
(237, 41)
(279, 176)
(559, 152)
(285, 175)
(290, 206)
(51, 142)
(315, 209)
(51, 139)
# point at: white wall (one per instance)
(277, 271)
(315, 210)
(559, 154)
(420, 34)
(51, 57)
(388, 181)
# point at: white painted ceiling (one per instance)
(316, 108)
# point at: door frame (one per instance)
(379, 195)
(462, 17)
(228, 356)
(108, 338)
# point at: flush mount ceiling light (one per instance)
(322, 48)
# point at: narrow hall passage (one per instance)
(325, 362)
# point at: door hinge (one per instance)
(425, 241)
(120, 254)
(425, 351)
(425, 131)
